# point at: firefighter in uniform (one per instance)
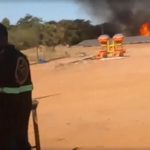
(15, 96)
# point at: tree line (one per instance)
(31, 31)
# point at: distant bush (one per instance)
(32, 31)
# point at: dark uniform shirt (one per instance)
(15, 99)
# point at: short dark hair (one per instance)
(3, 31)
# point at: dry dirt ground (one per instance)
(94, 104)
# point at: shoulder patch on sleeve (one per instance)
(22, 70)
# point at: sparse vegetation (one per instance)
(31, 31)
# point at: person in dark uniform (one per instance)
(15, 96)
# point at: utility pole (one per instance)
(37, 53)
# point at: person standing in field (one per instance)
(15, 96)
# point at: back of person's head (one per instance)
(3, 34)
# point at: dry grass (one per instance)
(47, 53)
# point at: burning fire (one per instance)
(145, 29)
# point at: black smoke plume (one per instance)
(128, 15)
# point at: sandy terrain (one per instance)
(103, 105)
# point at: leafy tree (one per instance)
(31, 31)
(6, 22)
(29, 20)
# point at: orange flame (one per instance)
(145, 29)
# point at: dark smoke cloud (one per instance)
(130, 14)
